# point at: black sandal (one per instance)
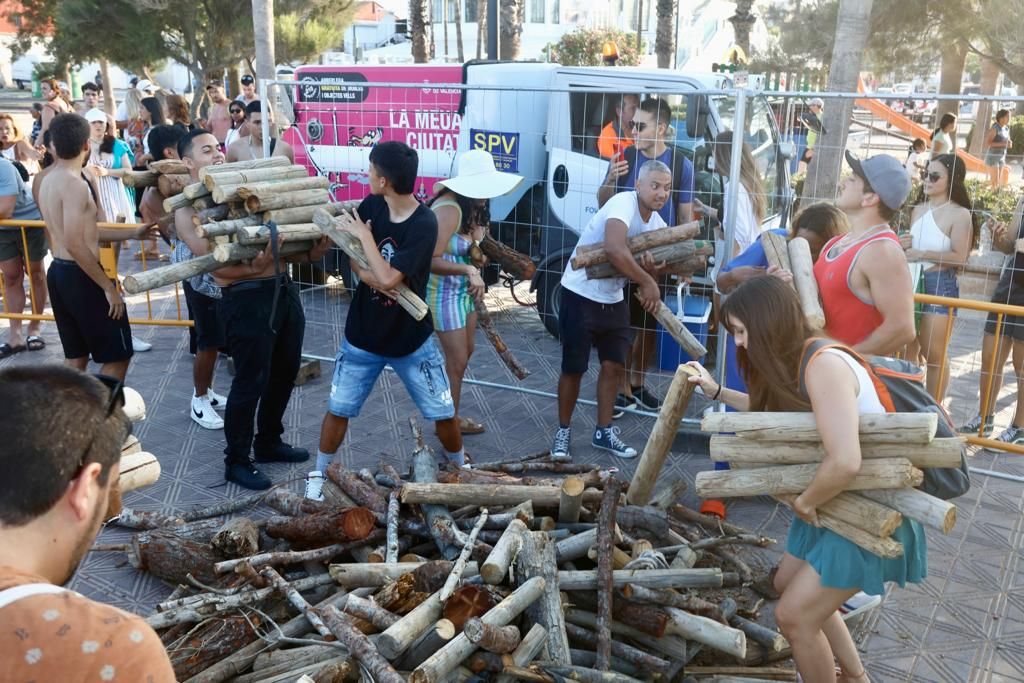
(35, 342)
(6, 350)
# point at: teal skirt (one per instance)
(843, 564)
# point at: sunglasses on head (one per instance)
(934, 177)
(115, 399)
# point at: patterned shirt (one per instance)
(65, 637)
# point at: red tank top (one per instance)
(848, 319)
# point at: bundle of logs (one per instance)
(526, 569)
(138, 468)
(778, 453)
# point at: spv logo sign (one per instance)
(504, 147)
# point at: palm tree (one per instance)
(664, 38)
(852, 27)
(458, 30)
(264, 65)
(510, 27)
(418, 28)
(481, 27)
(742, 22)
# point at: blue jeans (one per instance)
(422, 372)
(940, 283)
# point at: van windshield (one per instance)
(759, 133)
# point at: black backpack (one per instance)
(901, 389)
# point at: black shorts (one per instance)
(12, 247)
(1013, 326)
(81, 308)
(583, 324)
(208, 332)
(639, 319)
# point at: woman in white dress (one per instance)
(109, 160)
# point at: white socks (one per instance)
(323, 460)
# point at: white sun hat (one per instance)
(478, 179)
(95, 115)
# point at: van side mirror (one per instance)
(696, 115)
(787, 150)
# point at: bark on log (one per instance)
(356, 489)
(670, 598)
(501, 520)
(483, 318)
(252, 175)
(203, 203)
(667, 496)
(297, 601)
(742, 674)
(675, 253)
(439, 520)
(304, 214)
(403, 633)
(392, 529)
(670, 644)
(297, 556)
(138, 470)
(498, 639)
(238, 537)
(194, 191)
(288, 503)
(407, 299)
(515, 263)
(359, 646)
(586, 580)
(712, 523)
(367, 610)
(226, 227)
(140, 179)
(234, 252)
(178, 201)
(352, 524)
(643, 618)
(635, 656)
(772, 641)
(495, 567)
(882, 473)
(605, 527)
(145, 519)
(662, 435)
(537, 558)
(588, 675)
(803, 279)
(678, 331)
(865, 514)
(170, 185)
(488, 494)
(590, 254)
(918, 505)
(776, 250)
(531, 645)
(452, 582)
(216, 213)
(209, 643)
(252, 193)
(292, 200)
(375, 575)
(167, 166)
(170, 557)
(444, 661)
(644, 518)
(257, 236)
(711, 633)
(429, 642)
(902, 428)
(468, 602)
(271, 162)
(571, 500)
(883, 547)
(733, 449)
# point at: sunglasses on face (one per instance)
(115, 399)
(934, 177)
(640, 126)
(236, 111)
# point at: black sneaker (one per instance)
(622, 402)
(246, 475)
(280, 452)
(645, 398)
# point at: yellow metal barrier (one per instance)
(24, 225)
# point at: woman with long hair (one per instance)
(151, 114)
(54, 104)
(238, 125)
(944, 137)
(178, 112)
(751, 204)
(997, 143)
(462, 207)
(14, 147)
(942, 232)
(820, 570)
(109, 160)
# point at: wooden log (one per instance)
(776, 250)
(271, 162)
(172, 558)
(290, 200)
(577, 545)
(670, 598)
(644, 618)
(643, 519)
(210, 642)
(359, 646)
(498, 639)
(170, 185)
(367, 610)
(571, 500)
(351, 524)
(289, 503)
(194, 191)
(882, 473)
(234, 253)
(167, 166)
(742, 673)
(215, 213)
(407, 299)
(865, 514)
(589, 675)
(204, 203)
(516, 264)
(356, 489)
(266, 196)
(772, 641)
(677, 252)
(938, 453)
(297, 557)
(483, 318)
(803, 279)
(635, 656)
(537, 558)
(590, 254)
(297, 601)
(452, 582)
(439, 520)
(140, 179)
(392, 528)
(288, 181)
(488, 494)
(901, 428)
(530, 646)
(252, 175)
(501, 520)
(605, 524)
(883, 547)
(260, 234)
(662, 435)
(444, 661)
(668, 495)
(586, 580)
(430, 641)
(495, 567)
(677, 330)
(226, 227)
(138, 470)
(670, 645)
(707, 631)
(178, 201)
(238, 537)
(144, 519)
(356, 575)
(467, 602)
(398, 637)
(918, 505)
(304, 214)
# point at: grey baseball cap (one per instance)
(886, 176)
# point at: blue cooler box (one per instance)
(696, 312)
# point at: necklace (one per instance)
(933, 208)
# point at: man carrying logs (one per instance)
(398, 234)
(251, 145)
(197, 150)
(63, 432)
(595, 313)
(87, 302)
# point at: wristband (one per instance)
(717, 393)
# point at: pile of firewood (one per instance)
(137, 467)
(778, 453)
(527, 569)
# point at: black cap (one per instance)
(248, 80)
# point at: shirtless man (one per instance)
(251, 145)
(218, 119)
(87, 304)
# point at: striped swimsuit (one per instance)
(448, 295)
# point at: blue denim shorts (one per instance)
(422, 372)
(940, 283)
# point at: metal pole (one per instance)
(639, 24)
(265, 109)
(492, 29)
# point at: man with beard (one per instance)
(63, 431)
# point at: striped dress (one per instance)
(448, 295)
(113, 194)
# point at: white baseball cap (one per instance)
(94, 115)
(816, 102)
(145, 86)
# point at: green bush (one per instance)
(1017, 135)
(582, 47)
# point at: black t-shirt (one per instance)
(377, 323)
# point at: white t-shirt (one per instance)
(625, 208)
(747, 228)
(122, 112)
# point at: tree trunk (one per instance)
(444, 22)
(481, 27)
(664, 39)
(109, 104)
(265, 64)
(418, 13)
(510, 28)
(951, 74)
(989, 80)
(234, 78)
(458, 31)
(852, 25)
(743, 21)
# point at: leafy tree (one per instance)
(582, 47)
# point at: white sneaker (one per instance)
(315, 486)
(858, 604)
(204, 415)
(218, 401)
(139, 346)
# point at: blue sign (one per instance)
(504, 147)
